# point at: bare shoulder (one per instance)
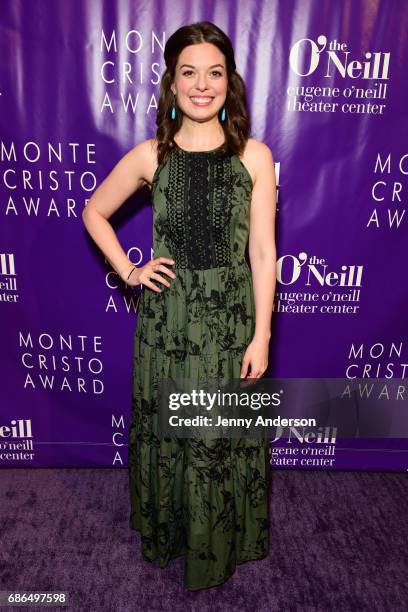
(257, 151)
(257, 157)
(134, 170)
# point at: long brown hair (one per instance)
(237, 124)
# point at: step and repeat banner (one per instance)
(79, 88)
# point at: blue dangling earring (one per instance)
(223, 114)
(173, 110)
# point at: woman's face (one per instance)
(200, 82)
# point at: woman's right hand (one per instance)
(149, 271)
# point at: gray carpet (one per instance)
(339, 541)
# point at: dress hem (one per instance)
(183, 554)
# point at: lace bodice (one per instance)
(201, 204)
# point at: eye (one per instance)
(217, 72)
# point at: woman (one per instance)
(201, 313)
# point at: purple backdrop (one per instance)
(79, 87)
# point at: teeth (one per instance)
(201, 99)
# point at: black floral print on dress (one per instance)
(204, 499)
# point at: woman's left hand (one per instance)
(255, 356)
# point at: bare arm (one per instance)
(262, 247)
(127, 176)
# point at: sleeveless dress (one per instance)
(204, 499)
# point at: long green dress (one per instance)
(204, 499)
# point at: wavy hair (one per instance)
(237, 124)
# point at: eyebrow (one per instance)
(190, 66)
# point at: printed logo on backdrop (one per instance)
(41, 180)
(314, 448)
(62, 362)
(122, 297)
(314, 287)
(380, 367)
(387, 191)
(128, 62)
(32, 187)
(118, 440)
(16, 441)
(8, 278)
(342, 409)
(362, 89)
(377, 360)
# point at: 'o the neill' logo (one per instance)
(308, 54)
(289, 268)
(7, 264)
(17, 429)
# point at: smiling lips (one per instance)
(201, 100)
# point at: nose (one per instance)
(201, 82)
